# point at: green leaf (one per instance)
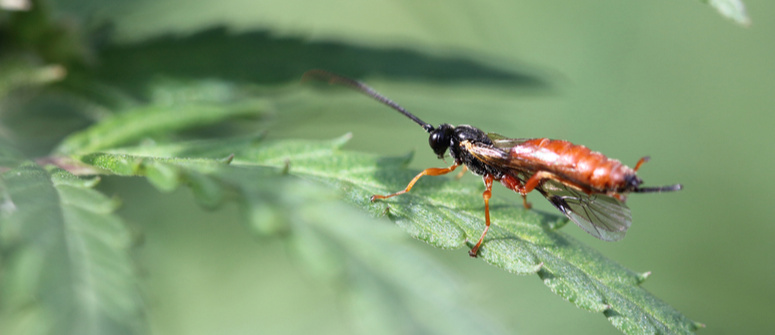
(135, 125)
(387, 287)
(447, 214)
(66, 264)
(731, 9)
(133, 66)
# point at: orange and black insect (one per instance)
(586, 186)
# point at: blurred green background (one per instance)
(669, 79)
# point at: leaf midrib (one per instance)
(75, 241)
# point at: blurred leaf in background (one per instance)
(203, 94)
(66, 267)
(732, 9)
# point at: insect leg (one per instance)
(640, 162)
(535, 180)
(462, 173)
(426, 172)
(515, 185)
(486, 195)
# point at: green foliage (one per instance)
(131, 125)
(66, 264)
(444, 213)
(387, 287)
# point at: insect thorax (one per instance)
(468, 133)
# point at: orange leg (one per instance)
(640, 162)
(515, 185)
(535, 180)
(462, 173)
(540, 176)
(426, 172)
(486, 195)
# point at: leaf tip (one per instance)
(342, 140)
(227, 160)
(697, 325)
(643, 276)
(386, 212)
(599, 307)
(91, 182)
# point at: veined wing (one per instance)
(502, 142)
(498, 155)
(600, 215)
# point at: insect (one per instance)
(586, 186)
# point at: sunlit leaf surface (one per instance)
(387, 287)
(444, 213)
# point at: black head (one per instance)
(631, 182)
(440, 139)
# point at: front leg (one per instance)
(486, 195)
(426, 172)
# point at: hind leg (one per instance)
(640, 162)
(462, 173)
(515, 185)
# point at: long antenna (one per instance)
(333, 78)
(659, 189)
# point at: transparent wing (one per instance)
(602, 216)
(503, 142)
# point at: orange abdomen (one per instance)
(573, 163)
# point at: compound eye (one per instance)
(434, 139)
(438, 142)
